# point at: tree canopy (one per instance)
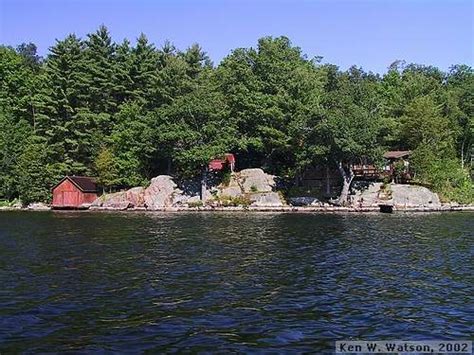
(126, 113)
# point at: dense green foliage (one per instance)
(126, 113)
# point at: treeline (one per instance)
(126, 113)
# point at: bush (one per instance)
(449, 180)
(299, 191)
(194, 204)
(385, 191)
(5, 203)
(226, 178)
(229, 201)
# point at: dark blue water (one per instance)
(85, 282)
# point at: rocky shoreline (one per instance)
(252, 190)
(332, 209)
(283, 209)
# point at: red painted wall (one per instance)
(68, 195)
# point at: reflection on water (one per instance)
(154, 281)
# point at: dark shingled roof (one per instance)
(83, 183)
(396, 154)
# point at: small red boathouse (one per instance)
(74, 192)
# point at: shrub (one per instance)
(194, 204)
(229, 201)
(448, 179)
(385, 191)
(241, 201)
(5, 203)
(226, 178)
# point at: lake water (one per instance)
(245, 282)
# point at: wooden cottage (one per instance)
(74, 192)
(395, 155)
(391, 169)
(220, 164)
(398, 165)
(328, 180)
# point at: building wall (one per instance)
(68, 195)
(89, 197)
(321, 179)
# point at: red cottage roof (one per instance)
(396, 154)
(218, 164)
(230, 158)
(83, 183)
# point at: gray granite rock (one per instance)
(256, 180)
(266, 199)
(414, 196)
(38, 206)
(160, 193)
(116, 201)
(398, 195)
(304, 201)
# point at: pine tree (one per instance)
(144, 70)
(17, 84)
(99, 57)
(122, 88)
(13, 139)
(64, 118)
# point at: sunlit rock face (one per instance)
(398, 195)
(367, 194)
(121, 200)
(162, 192)
(254, 184)
(266, 199)
(256, 180)
(414, 196)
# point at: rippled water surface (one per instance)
(245, 282)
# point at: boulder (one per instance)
(254, 184)
(414, 196)
(366, 194)
(116, 201)
(255, 180)
(248, 181)
(38, 206)
(121, 200)
(231, 191)
(193, 199)
(162, 192)
(304, 201)
(136, 196)
(399, 195)
(266, 199)
(179, 199)
(17, 205)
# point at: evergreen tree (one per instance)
(165, 110)
(105, 168)
(13, 139)
(35, 177)
(144, 71)
(122, 88)
(17, 84)
(65, 95)
(133, 144)
(99, 57)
